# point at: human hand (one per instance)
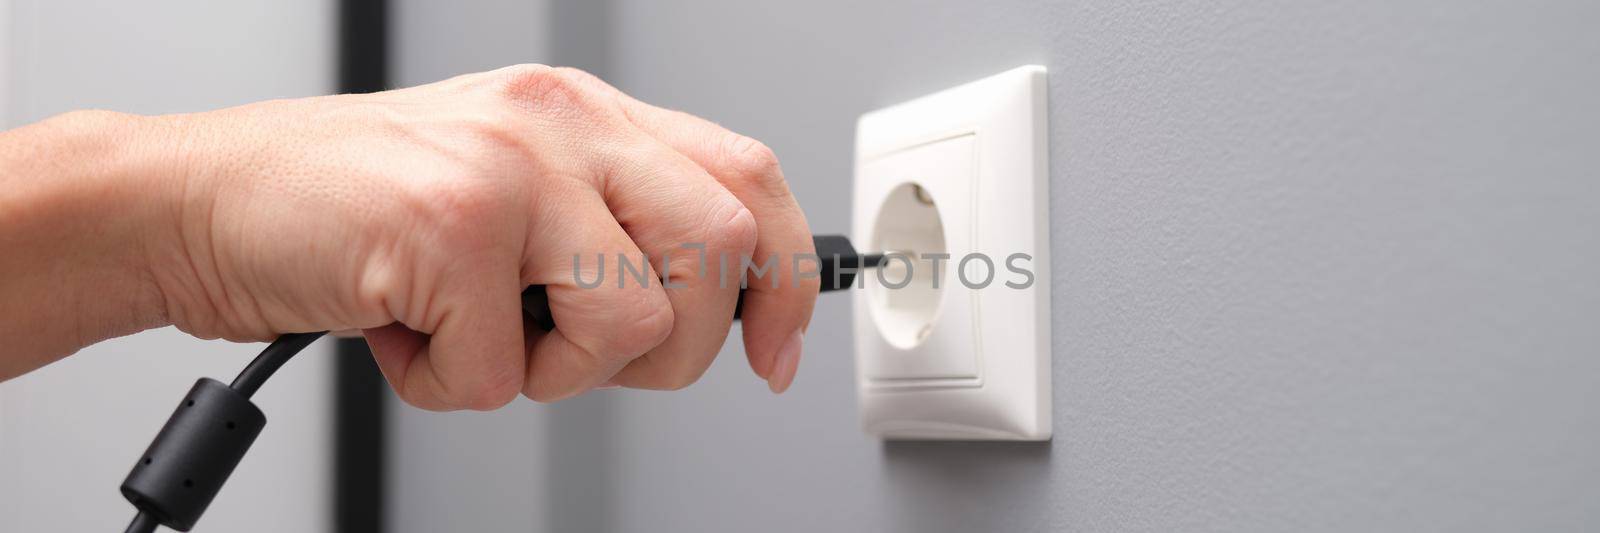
(419, 215)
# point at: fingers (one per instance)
(778, 304)
(696, 231)
(474, 358)
(695, 199)
(605, 316)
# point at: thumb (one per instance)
(475, 357)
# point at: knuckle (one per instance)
(531, 83)
(494, 396)
(646, 327)
(655, 326)
(525, 75)
(735, 229)
(538, 394)
(494, 390)
(451, 398)
(544, 87)
(750, 159)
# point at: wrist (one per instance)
(139, 160)
(86, 196)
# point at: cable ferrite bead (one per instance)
(193, 455)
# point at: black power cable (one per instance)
(143, 523)
(215, 424)
(266, 364)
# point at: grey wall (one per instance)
(5, 62)
(1317, 267)
(70, 432)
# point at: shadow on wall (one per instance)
(972, 484)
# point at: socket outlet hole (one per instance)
(908, 228)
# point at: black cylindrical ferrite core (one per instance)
(193, 454)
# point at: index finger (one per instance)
(778, 304)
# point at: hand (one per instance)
(420, 214)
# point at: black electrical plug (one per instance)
(840, 263)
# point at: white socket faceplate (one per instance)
(961, 172)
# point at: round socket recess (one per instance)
(906, 295)
(923, 322)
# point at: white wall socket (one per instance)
(961, 172)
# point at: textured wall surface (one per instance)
(70, 432)
(1317, 267)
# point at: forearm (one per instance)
(82, 198)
